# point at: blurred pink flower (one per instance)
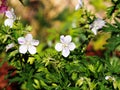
(3, 6)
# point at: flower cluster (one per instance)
(11, 17)
(27, 43)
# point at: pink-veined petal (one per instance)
(67, 39)
(21, 40)
(58, 47)
(65, 52)
(9, 22)
(23, 49)
(32, 49)
(29, 37)
(35, 42)
(71, 46)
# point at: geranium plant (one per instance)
(37, 67)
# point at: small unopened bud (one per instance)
(9, 46)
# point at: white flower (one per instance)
(9, 46)
(97, 24)
(27, 44)
(11, 17)
(110, 78)
(65, 45)
(79, 5)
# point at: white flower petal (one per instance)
(101, 23)
(21, 40)
(98, 23)
(32, 49)
(94, 30)
(23, 49)
(58, 47)
(67, 39)
(9, 14)
(9, 22)
(65, 52)
(29, 37)
(80, 2)
(62, 38)
(35, 42)
(77, 7)
(72, 46)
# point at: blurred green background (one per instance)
(46, 16)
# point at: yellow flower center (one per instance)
(65, 45)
